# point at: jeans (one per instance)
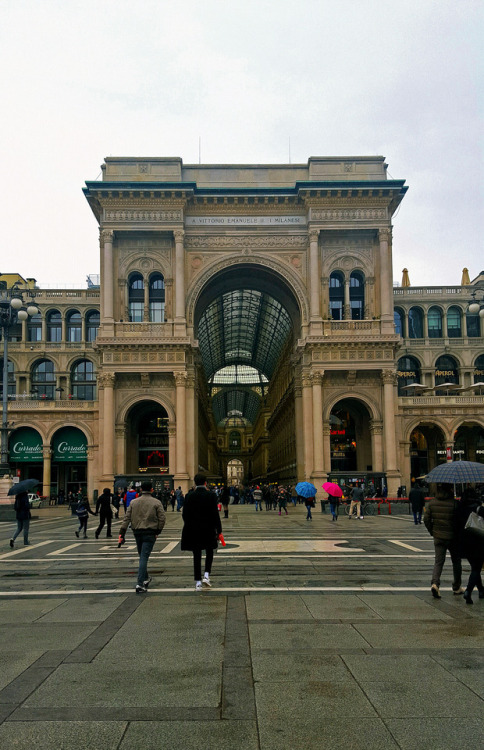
(25, 524)
(145, 541)
(417, 516)
(83, 524)
(475, 578)
(441, 548)
(309, 512)
(258, 503)
(334, 509)
(104, 517)
(197, 563)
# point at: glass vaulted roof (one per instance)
(241, 335)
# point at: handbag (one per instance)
(475, 524)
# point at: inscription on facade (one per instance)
(244, 221)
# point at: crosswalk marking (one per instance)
(25, 548)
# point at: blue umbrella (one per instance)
(457, 472)
(306, 489)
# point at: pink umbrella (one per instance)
(333, 489)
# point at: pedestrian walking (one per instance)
(225, 500)
(179, 499)
(333, 506)
(201, 529)
(282, 500)
(471, 544)
(129, 496)
(22, 514)
(417, 501)
(147, 519)
(440, 519)
(266, 495)
(309, 503)
(257, 495)
(83, 509)
(104, 508)
(357, 496)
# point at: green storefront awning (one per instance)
(69, 444)
(25, 445)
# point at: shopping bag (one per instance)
(475, 524)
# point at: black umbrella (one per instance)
(121, 484)
(25, 486)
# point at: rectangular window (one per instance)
(35, 333)
(157, 312)
(473, 325)
(74, 333)
(336, 308)
(136, 310)
(55, 333)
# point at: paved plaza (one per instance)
(314, 635)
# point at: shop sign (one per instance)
(25, 445)
(69, 444)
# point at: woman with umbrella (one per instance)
(471, 544)
(335, 492)
(22, 507)
(308, 492)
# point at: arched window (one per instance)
(454, 322)
(478, 369)
(435, 323)
(54, 326)
(34, 328)
(11, 384)
(415, 323)
(446, 371)
(136, 295)
(357, 295)
(74, 326)
(399, 321)
(83, 380)
(408, 373)
(473, 325)
(235, 440)
(92, 324)
(336, 295)
(43, 379)
(157, 298)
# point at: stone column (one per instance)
(346, 303)
(47, 457)
(106, 382)
(107, 281)
(317, 388)
(376, 432)
(120, 463)
(172, 448)
(307, 410)
(369, 297)
(190, 434)
(393, 476)
(386, 280)
(298, 416)
(314, 286)
(181, 429)
(327, 448)
(179, 276)
(325, 297)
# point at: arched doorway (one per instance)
(25, 454)
(235, 472)
(427, 449)
(350, 438)
(469, 443)
(147, 440)
(247, 319)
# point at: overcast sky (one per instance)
(85, 80)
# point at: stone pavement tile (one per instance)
(84, 609)
(124, 684)
(402, 607)
(27, 610)
(191, 735)
(75, 735)
(238, 694)
(437, 734)
(276, 607)
(466, 667)
(433, 697)
(36, 636)
(13, 663)
(441, 635)
(308, 697)
(289, 637)
(398, 667)
(312, 730)
(288, 666)
(339, 607)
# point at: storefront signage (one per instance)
(406, 374)
(244, 221)
(337, 432)
(25, 445)
(69, 444)
(445, 373)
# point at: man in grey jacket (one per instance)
(147, 518)
(440, 518)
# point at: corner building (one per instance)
(247, 329)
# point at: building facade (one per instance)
(246, 325)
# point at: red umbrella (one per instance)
(333, 489)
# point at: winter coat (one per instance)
(22, 506)
(104, 504)
(440, 518)
(417, 499)
(145, 513)
(201, 520)
(471, 545)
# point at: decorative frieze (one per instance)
(270, 242)
(130, 215)
(348, 214)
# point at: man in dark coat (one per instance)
(103, 507)
(22, 513)
(417, 501)
(441, 521)
(201, 528)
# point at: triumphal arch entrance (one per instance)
(246, 320)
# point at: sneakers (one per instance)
(198, 586)
(435, 591)
(361, 518)
(96, 535)
(77, 534)
(11, 543)
(141, 589)
(147, 582)
(458, 591)
(206, 582)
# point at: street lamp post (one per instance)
(12, 310)
(476, 307)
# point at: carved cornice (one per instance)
(142, 215)
(285, 242)
(348, 214)
(388, 377)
